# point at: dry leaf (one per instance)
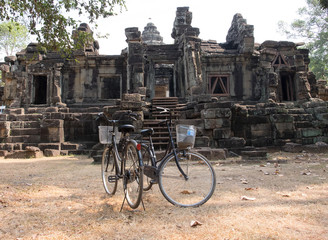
(195, 223)
(247, 198)
(284, 194)
(249, 189)
(187, 192)
(244, 181)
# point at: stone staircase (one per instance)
(160, 137)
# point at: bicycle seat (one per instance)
(125, 128)
(147, 132)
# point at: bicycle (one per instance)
(121, 159)
(185, 178)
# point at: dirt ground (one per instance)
(63, 198)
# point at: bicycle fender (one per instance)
(138, 152)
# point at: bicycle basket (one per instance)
(186, 135)
(105, 134)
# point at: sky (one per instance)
(212, 17)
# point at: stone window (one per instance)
(219, 85)
(111, 88)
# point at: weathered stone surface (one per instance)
(51, 153)
(24, 154)
(233, 142)
(220, 133)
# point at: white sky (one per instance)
(212, 17)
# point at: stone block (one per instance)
(263, 141)
(293, 147)
(261, 130)
(131, 97)
(223, 113)
(3, 117)
(311, 132)
(3, 153)
(52, 123)
(285, 130)
(281, 118)
(131, 105)
(221, 133)
(202, 141)
(208, 113)
(4, 129)
(51, 153)
(51, 109)
(233, 142)
(24, 154)
(217, 123)
(218, 105)
(302, 117)
(55, 146)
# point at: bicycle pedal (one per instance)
(153, 181)
(112, 179)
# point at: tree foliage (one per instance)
(52, 20)
(13, 37)
(313, 27)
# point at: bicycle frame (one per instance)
(170, 150)
(117, 157)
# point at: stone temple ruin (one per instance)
(242, 96)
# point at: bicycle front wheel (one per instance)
(133, 176)
(193, 190)
(109, 171)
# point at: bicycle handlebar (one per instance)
(129, 113)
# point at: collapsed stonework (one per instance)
(240, 94)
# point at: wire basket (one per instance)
(105, 134)
(186, 135)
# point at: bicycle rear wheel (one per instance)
(193, 191)
(133, 176)
(109, 171)
(146, 158)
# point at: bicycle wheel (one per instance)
(146, 158)
(109, 171)
(133, 176)
(193, 191)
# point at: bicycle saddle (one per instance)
(126, 128)
(147, 132)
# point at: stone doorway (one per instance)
(287, 87)
(40, 87)
(164, 80)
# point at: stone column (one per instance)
(135, 66)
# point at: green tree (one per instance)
(52, 20)
(13, 37)
(313, 28)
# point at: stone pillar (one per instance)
(135, 67)
(52, 130)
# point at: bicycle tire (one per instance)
(197, 189)
(146, 158)
(109, 171)
(133, 176)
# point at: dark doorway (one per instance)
(287, 87)
(40, 89)
(111, 88)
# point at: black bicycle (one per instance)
(121, 159)
(185, 177)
